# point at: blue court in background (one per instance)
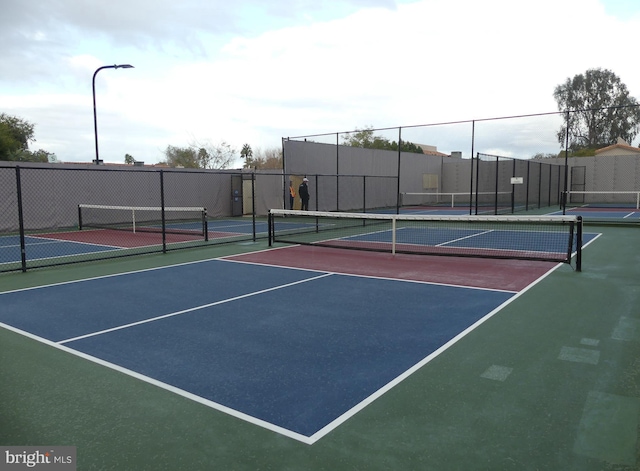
(603, 213)
(293, 348)
(40, 248)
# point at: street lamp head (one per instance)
(123, 66)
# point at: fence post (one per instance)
(399, 167)
(337, 172)
(513, 189)
(23, 249)
(471, 199)
(477, 177)
(253, 202)
(364, 193)
(566, 166)
(164, 229)
(528, 182)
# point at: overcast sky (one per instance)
(251, 71)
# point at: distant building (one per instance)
(621, 147)
(431, 150)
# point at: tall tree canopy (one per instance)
(265, 159)
(247, 154)
(15, 136)
(601, 110)
(198, 155)
(365, 138)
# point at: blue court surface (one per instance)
(240, 226)
(603, 213)
(41, 248)
(434, 211)
(68, 244)
(531, 241)
(296, 351)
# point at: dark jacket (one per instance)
(303, 191)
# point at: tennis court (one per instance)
(234, 346)
(238, 348)
(313, 357)
(67, 244)
(605, 214)
(605, 206)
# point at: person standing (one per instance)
(292, 194)
(303, 191)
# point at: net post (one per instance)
(579, 245)
(79, 217)
(164, 222)
(497, 182)
(270, 228)
(205, 225)
(364, 193)
(513, 189)
(393, 236)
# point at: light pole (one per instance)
(95, 119)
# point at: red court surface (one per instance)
(118, 239)
(508, 275)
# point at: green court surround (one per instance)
(446, 416)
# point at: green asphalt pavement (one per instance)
(550, 382)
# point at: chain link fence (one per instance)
(506, 185)
(61, 214)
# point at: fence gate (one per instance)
(236, 195)
(577, 183)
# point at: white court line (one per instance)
(386, 388)
(373, 277)
(465, 237)
(181, 392)
(185, 311)
(111, 275)
(53, 240)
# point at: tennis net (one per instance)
(172, 220)
(454, 200)
(604, 199)
(546, 238)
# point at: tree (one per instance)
(599, 108)
(247, 154)
(128, 159)
(40, 156)
(360, 138)
(365, 138)
(217, 156)
(272, 158)
(406, 147)
(541, 155)
(267, 159)
(181, 157)
(15, 136)
(198, 155)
